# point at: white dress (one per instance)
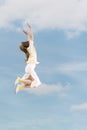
(31, 64)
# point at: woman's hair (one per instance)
(23, 47)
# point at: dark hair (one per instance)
(23, 47)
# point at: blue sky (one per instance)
(60, 30)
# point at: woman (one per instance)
(30, 78)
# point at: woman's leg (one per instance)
(27, 82)
(27, 79)
(30, 78)
(36, 81)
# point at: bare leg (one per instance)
(27, 82)
(31, 78)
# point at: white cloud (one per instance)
(79, 107)
(45, 89)
(71, 34)
(54, 14)
(74, 70)
(2, 2)
(67, 68)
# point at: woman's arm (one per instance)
(31, 36)
(25, 32)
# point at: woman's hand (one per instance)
(25, 32)
(28, 25)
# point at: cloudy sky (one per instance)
(60, 30)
